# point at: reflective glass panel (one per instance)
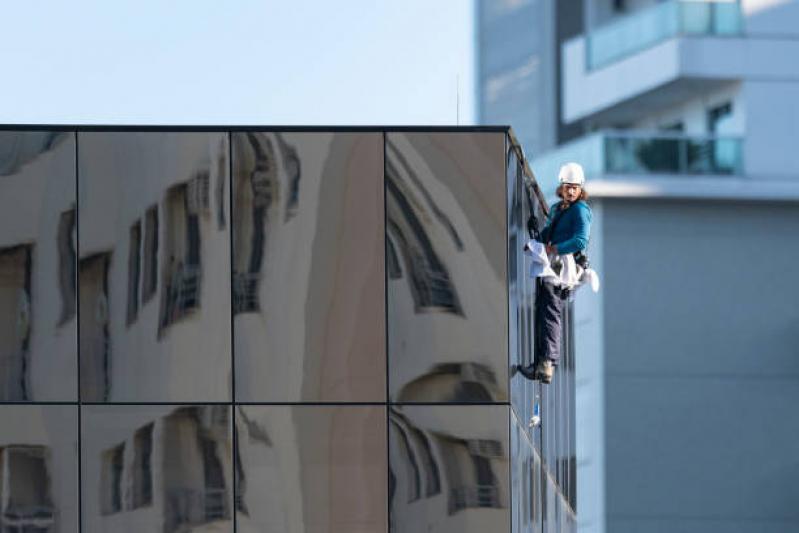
(311, 468)
(449, 468)
(154, 267)
(525, 481)
(308, 262)
(447, 289)
(38, 468)
(38, 325)
(157, 468)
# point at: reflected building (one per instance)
(38, 326)
(157, 468)
(154, 267)
(267, 330)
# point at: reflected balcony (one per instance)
(636, 155)
(642, 29)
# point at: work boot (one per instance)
(544, 370)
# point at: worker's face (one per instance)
(571, 192)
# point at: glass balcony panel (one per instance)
(696, 17)
(727, 18)
(640, 30)
(632, 34)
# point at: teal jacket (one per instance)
(573, 229)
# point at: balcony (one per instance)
(664, 56)
(646, 28)
(630, 155)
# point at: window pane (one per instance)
(308, 263)
(174, 343)
(447, 303)
(157, 468)
(38, 330)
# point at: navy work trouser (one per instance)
(549, 308)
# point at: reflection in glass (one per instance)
(446, 273)
(526, 479)
(38, 469)
(311, 468)
(449, 468)
(157, 468)
(308, 256)
(525, 394)
(154, 267)
(38, 329)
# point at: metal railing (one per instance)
(469, 496)
(193, 506)
(643, 29)
(38, 518)
(245, 292)
(644, 153)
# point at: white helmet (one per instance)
(571, 173)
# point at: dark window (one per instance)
(718, 117)
(432, 475)
(142, 467)
(16, 317)
(431, 286)
(28, 505)
(111, 476)
(182, 269)
(677, 127)
(93, 327)
(150, 282)
(414, 477)
(134, 262)
(215, 493)
(67, 265)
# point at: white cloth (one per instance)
(571, 276)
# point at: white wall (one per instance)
(772, 127)
(590, 389)
(693, 113)
(771, 17)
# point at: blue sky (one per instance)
(349, 62)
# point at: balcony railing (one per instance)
(643, 29)
(639, 153)
(468, 496)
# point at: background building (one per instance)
(687, 362)
(274, 331)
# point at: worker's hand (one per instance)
(551, 249)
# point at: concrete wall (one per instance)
(702, 374)
(772, 122)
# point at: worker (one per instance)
(565, 232)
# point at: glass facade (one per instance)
(265, 330)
